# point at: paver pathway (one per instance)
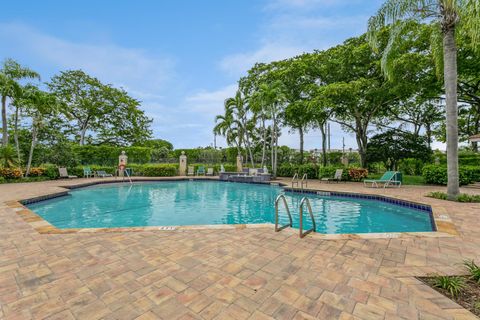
(227, 274)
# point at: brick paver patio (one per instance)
(227, 274)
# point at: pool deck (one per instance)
(240, 273)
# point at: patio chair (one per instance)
(387, 179)
(87, 172)
(63, 174)
(191, 171)
(201, 170)
(209, 172)
(337, 177)
(103, 174)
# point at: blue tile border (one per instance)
(402, 203)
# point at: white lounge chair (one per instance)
(191, 171)
(103, 174)
(64, 174)
(337, 177)
(209, 172)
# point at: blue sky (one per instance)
(180, 58)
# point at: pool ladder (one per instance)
(302, 203)
(302, 182)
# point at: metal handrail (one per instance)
(277, 228)
(304, 180)
(309, 207)
(128, 175)
(295, 176)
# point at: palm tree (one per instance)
(10, 73)
(224, 126)
(273, 98)
(446, 16)
(239, 108)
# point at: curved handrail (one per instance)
(304, 180)
(277, 228)
(309, 207)
(295, 177)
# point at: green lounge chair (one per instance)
(387, 179)
(87, 172)
(201, 170)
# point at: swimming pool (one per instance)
(185, 203)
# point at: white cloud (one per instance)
(210, 102)
(239, 63)
(130, 67)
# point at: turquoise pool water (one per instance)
(176, 203)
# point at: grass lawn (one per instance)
(407, 180)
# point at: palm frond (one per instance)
(469, 13)
(393, 11)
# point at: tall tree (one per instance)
(38, 104)
(108, 113)
(447, 16)
(10, 73)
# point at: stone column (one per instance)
(239, 163)
(122, 163)
(182, 168)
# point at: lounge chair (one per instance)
(387, 179)
(209, 172)
(201, 170)
(87, 172)
(63, 174)
(337, 177)
(191, 171)
(103, 174)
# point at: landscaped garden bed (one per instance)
(464, 290)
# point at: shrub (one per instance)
(453, 285)
(357, 174)
(411, 166)
(473, 269)
(2, 180)
(50, 171)
(160, 170)
(434, 174)
(11, 173)
(108, 155)
(463, 197)
(36, 172)
(289, 170)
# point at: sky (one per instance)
(181, 58)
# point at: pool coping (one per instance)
(441, 221)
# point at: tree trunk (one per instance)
(249, 149)
(32, 147)
(82, 134)
(15, 135)
(272, 148)
(450, 76)
(276, 152)
(4, 122)
(300, 132)
(264, 143)
(324, 144)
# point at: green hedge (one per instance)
(434, 174)
(108, 155)
(288, 170)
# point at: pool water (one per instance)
(179, 203)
